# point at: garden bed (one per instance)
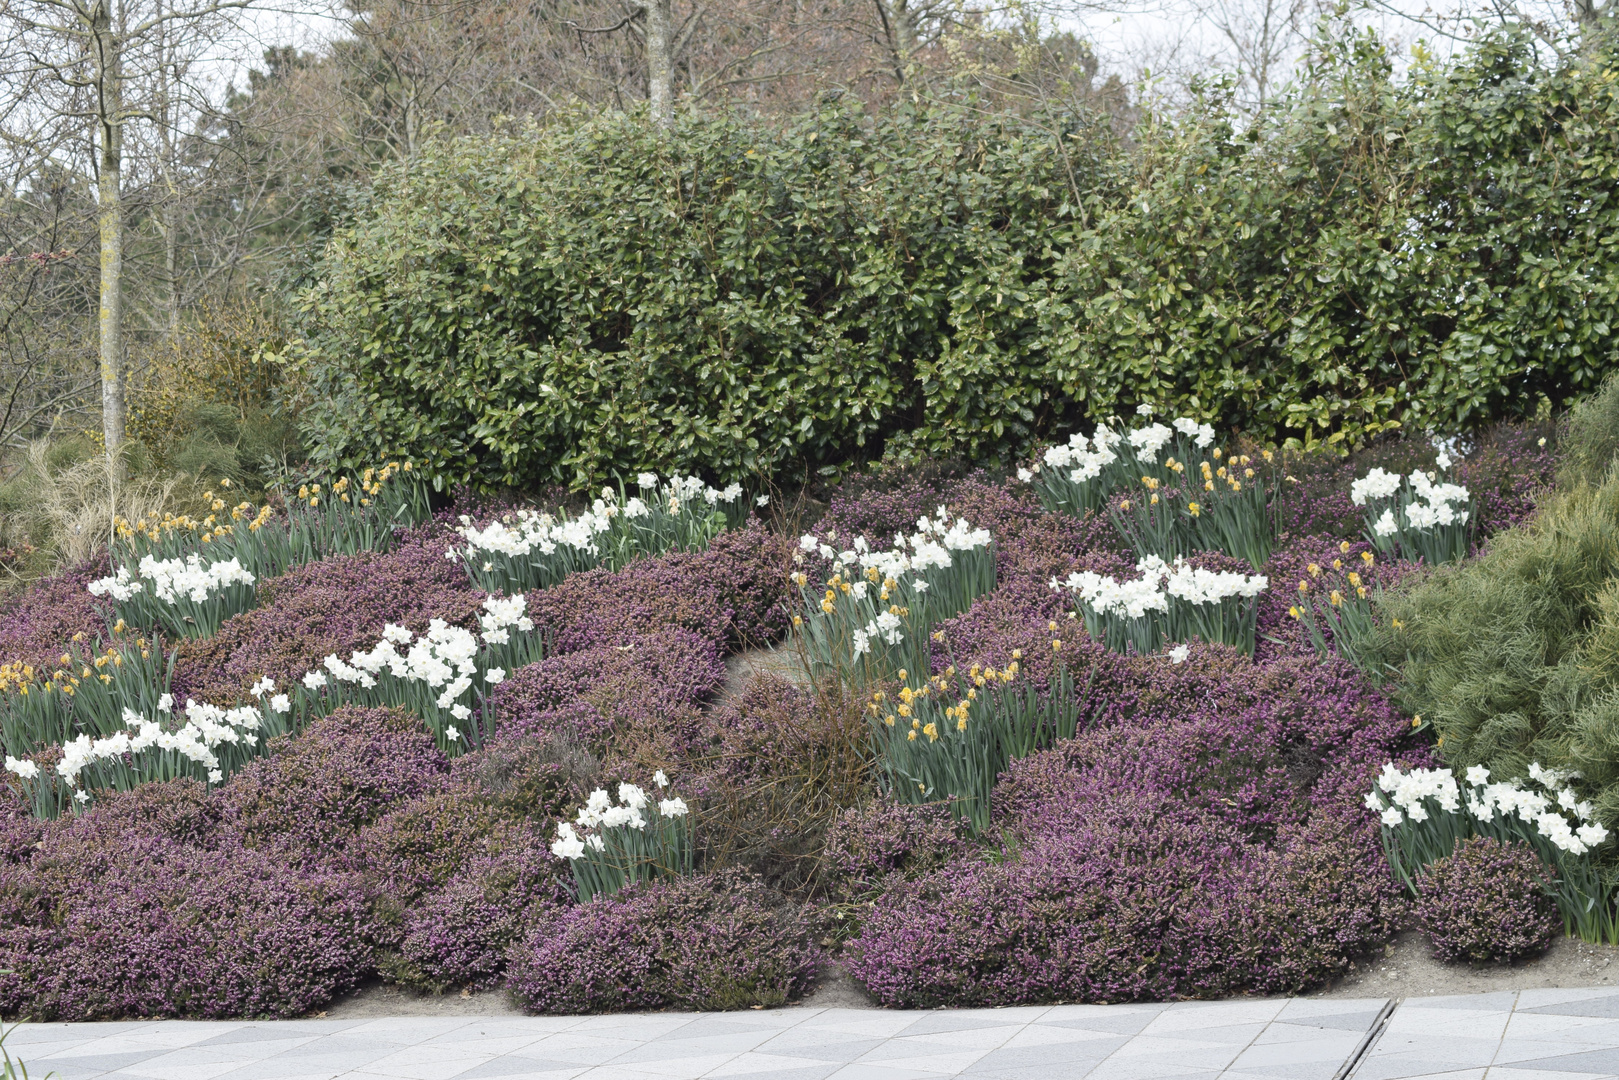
(1188, 823)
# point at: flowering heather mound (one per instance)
(732, 594)
(38, 622)
(715, 941)
(867, 845)
(1219, 779)
(336, 605)
(460, 933)
(1203, 833)
(1144, 899)
(340, 774)
(420, 845)
(647, 675)
(1029, 541)
(1487, 901)
(112, 917)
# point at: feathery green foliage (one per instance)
(1514, 657)
(1590, 439)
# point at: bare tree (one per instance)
(82, 76)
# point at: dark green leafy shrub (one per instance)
(1487, 902)
(742, 298)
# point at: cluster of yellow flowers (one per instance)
(1335, 596)
(370, 485)
(942, 687)
(67, 675)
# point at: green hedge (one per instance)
(747, 298)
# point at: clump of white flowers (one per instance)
(1081, 474)
(207, 746)
(877, 606)
(441, 675)
(641, 837)
(1416, 516)
(1557, 814)
(1426, 812)
(528, 549)
(185, 596)
(1169, 602)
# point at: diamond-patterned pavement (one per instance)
(1528, 1035)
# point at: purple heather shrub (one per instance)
(108, 920)
(867, 845)
(1203, 836)
(1487, 901)
(1028, 540)
(1136, 903)
(579, 720)
(37, 622)
(460, 933)
(1240, 739)
(419, 845)
(657, 674)
(1017, 617)
(336, 605)
(1509, 469)
(710, 942)
(343, 772)
(20, 830)
(542, 776)
(884, 502)
(1506, 470)
(179, 810)
(1145, 899)
(733, 594)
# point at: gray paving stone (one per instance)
(810, 1047)
(1051, 1070)
(92, 1063)
(1607, 1005)
(1552, 1035)
(1013, 1058)
(1586, 1061)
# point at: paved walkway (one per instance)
(1527, 1035)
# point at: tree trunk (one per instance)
(110, 219)
(660, 61)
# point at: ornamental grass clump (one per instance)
(1416, 517)
(1487, 901)
(949, 737)
(876, 609)
(1165, 605)
(639, 840)
(533, 550)
(1426, 815)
